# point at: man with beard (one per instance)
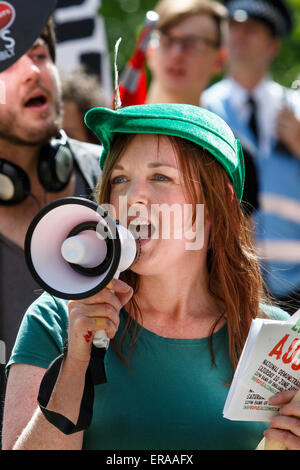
(38, 164)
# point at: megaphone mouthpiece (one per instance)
(85, 249)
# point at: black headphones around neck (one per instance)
(55, 167)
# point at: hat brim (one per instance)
(188, 122)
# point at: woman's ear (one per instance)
(231, 190)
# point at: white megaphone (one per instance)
(73, 249)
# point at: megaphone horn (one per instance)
(73, 248)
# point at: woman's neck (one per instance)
(192, 314)
(176, 297)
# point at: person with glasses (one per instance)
(186, 51)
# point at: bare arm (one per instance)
(24, 426)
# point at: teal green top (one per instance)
(171, 397)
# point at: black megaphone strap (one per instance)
(95, 375)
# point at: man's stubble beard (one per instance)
(31, 137)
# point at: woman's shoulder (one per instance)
(42, 333)
(46, 305)
(274, 312)
(46, 317)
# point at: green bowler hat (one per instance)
(189, 122)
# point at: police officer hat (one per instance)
(274, 13)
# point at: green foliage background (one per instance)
(124, 18)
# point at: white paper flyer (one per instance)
(270, 363)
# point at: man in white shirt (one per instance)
(266, 117)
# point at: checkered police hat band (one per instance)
(262, 10)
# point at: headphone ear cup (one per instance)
(54, 171)
(55, 166)
(14, 183)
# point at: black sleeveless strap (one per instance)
(95, 375)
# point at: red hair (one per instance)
(234, 274)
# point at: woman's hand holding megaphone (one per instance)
(99, 312)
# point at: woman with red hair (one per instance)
(177, 320)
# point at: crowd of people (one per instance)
(178, 319)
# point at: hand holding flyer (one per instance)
(267, 444)
(270, 363)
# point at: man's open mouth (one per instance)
(36, 100)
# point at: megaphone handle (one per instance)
(101, 339)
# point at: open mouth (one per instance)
(141, 229)
(175, 72)
(36, 101)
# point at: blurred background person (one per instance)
(23, 39)
(38, 164)
(80, 92)
(187, 50)
(267, 115)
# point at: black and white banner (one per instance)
(20, 24)
(81, 39)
